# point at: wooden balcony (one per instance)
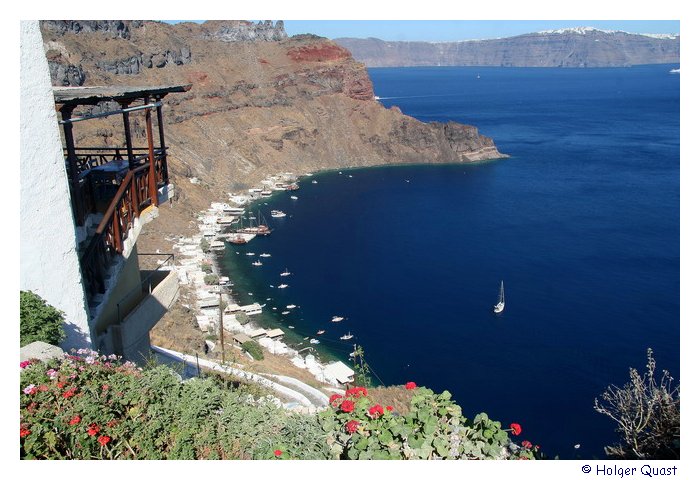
(117, 182)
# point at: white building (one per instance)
(82, 208)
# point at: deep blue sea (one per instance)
(581, 223)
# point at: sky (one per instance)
(453, 30)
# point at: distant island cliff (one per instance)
(260, 103)
(572, 47)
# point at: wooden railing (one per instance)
(91, 157)
(128, 203)
(87, 159)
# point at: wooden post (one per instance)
(127, 135)
(152, 190)
(221, 325)
(161, 136)
(76, 197)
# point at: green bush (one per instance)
(206, 268)
(93, 407)
(433, 429)
(39, 321)
(211, 279)
(254, 349)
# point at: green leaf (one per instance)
(441, 446)
(416, 441)
(362, 443)
(385, 437)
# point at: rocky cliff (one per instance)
(260, 102)
(577, 47)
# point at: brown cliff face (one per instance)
(260, 103)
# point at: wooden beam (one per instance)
(152, 189)
(127, 135)
(76, 197)
(161, 135)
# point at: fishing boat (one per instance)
(277, 214)
(286, 273)
(238, 240)
(257, 263)
(337, 319)
(347, 336)
(498, 308)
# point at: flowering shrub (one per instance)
(89, 406)
(433, 429)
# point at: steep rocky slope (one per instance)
(260, 103)
(578, 47)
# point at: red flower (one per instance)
(60, 384)
(389, 408)
(516, 428)
(43, 388)
(356, 392)
(334, 399)
(347, 406)
(25, 364)
(410, 385)
(70, 393)
(105, 387)
(376, 411)
(351, 426)
(93, 429)
(74, 420)
(104, 440)
(23, 432)
(278, 453)
(527, 444)
(112, 423)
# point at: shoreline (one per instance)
(210, 230)
(190, 273)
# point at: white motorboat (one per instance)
(286, 273)
(257, 263)
(347, 336)
(284, 285)
(337, 319)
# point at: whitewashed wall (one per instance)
(49, 263)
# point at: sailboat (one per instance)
(498, 308)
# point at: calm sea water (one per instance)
(581, 223)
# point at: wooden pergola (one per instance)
(117, 182)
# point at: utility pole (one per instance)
(221, 318)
